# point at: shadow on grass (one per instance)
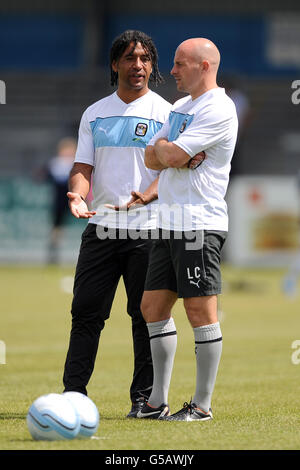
(23, 439)
(12, 416)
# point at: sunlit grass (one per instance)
(256, 399)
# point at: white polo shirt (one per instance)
(113, 136)
(194, 199)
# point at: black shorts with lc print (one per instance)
(186, 262)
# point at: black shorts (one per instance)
(100, 265)
(186, 265)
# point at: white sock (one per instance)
(163, 342)
(208, 341)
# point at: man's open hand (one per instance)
(78, 207)
(137, 199)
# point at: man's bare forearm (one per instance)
(151, 160)
(80, 179)
(169, 154)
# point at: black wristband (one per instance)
(198, 164)
(82, 198)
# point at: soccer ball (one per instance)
(88, 413)
(52, 417)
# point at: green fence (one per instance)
(25, 224)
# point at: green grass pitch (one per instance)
(256, 398)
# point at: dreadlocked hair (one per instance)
(122, 42)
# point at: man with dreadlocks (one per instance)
(113, 134)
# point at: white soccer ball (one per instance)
(88, 413)
(52, 417)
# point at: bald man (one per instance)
(193, 223)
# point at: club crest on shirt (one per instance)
(141, 129)
(183, 126)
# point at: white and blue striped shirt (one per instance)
(113, 136)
